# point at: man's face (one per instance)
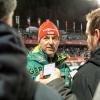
(92, 40)
(49, 44)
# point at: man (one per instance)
(15, 83)
(45, 52)
(87, 78)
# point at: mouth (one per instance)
(50, 48)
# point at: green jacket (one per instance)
(37, 59)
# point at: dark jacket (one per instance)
(86, 80)
(15, 82)
(60, 86)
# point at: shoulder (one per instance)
(87, 74)
(36, 57)
(36, 49)
(34, 52)
(87, 68)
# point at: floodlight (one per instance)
(98, 1)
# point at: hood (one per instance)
(11, 44)
(14, 80)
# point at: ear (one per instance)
(97, 34)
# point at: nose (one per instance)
(51, 41)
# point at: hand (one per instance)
(56, 74)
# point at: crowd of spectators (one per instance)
(63, 36)
(73, 51)
(73, 37)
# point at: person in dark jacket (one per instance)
(15, 82)
(87, 78)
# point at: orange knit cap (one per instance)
(46, 28)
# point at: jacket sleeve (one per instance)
(81, 88)
(62, 89)
(46, 93)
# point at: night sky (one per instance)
(70, 10)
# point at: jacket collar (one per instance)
(95, 56)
